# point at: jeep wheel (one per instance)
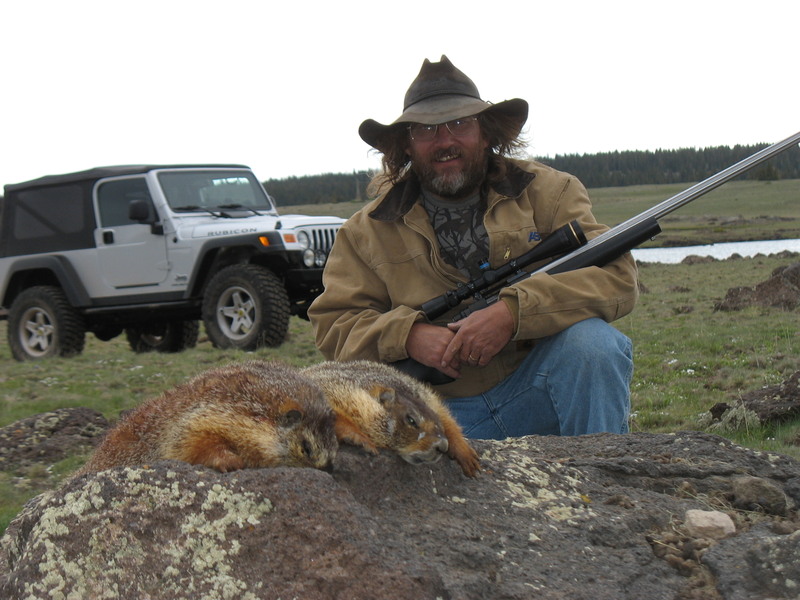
(42, 324)
(246, 307)
(163, 336)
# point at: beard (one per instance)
(452, 185)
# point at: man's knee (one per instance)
(593, 339)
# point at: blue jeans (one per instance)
(572, 383)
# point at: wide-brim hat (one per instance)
(439, 94)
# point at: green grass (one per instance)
(687, 356)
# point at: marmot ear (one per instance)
(384, 395)
(290, 418)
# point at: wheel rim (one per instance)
(152, 340)
(36, 332)
(152, 337)
(236, 313)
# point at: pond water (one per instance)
(719, 251)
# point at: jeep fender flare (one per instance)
(62, 270)
(247, 247)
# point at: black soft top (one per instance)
(101, 172)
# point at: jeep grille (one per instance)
(322, 238)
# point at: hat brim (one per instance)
(441, 109)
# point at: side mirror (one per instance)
(139, 211)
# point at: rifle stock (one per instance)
(610, 245)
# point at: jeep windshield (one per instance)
(212, 190)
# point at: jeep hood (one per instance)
(254, 224)
(292, 221)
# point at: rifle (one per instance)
(577, 253)
(566, 238)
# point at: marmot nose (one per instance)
(443, 445)
(327, 467)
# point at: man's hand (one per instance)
(427, 343)
(480, 336)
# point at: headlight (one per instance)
(308, 257)
(314, 258)
(303, 239)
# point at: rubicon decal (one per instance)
(232, 231)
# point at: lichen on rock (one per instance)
(116, 532)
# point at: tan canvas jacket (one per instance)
(385, 263)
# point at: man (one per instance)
(541, 360)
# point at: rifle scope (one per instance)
(562, 240)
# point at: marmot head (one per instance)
(413, 428)
(309, 437)
(280, 417)
(304, 419)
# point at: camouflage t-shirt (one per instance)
(459, 229)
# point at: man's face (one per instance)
(451, 165)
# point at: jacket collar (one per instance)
(399, 200)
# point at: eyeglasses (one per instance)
(421, 132)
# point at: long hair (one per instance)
(502, 132)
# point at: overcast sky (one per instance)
(283, 86)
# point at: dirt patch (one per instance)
(776, 403)
(781, 290)
(772, 404)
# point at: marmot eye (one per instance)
(306, 448)
(411, 421)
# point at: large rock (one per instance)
(594, 517)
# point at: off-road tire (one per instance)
(246, 307)
(106, 333)
(163, 336)
(43, 324)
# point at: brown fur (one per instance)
(377, 406)
(246, 415)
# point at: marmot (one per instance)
(251, 414)
(378, 406)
